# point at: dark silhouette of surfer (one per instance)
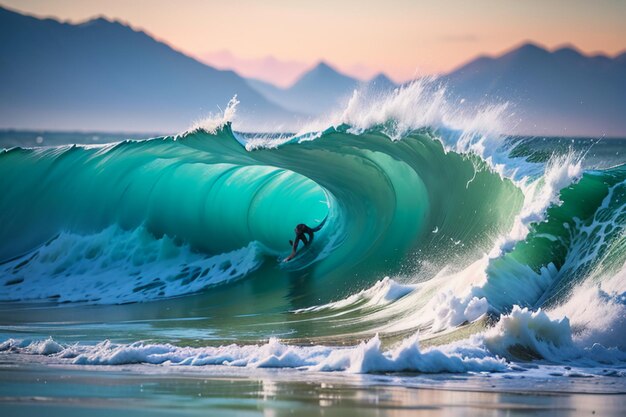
(301, 230)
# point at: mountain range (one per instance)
(560, 92)
(104, 75)
(318, 90)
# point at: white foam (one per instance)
(215, 121)
(431, 306)
(534, 333)
(539, 195)
(116, 266)
(520, 335)
(47, 347)
(366, 357)
(36, 347)
(452, 311)
(594, 337)
(597, 312)
(448, 300)
(423, 103)
(381, 293)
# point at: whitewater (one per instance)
(447, 248)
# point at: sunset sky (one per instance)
(278, 39)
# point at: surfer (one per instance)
(301, 230)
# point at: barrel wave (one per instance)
(182, 214)
(431, 231)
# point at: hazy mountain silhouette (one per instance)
(104, 75)
(381, 82)
(318, 90)
(559, 93)
(552, 93)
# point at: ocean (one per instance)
(458, 271)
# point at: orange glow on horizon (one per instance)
(360, 38)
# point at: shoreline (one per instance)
(139, 389)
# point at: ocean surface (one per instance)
(457, 271)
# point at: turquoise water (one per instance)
(505, 258)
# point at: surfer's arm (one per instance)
(319, 226)
(290, 257)
(295, 248)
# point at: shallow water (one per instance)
(28, 389)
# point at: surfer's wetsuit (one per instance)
(300, 232)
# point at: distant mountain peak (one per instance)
(381, 81)
(525, 51)
(102, 21)
(323, 66)
(551, 90)
(323, 71)
(568, 47)
(380, 77)
(97, 20)
(139, 82)
(530, 46)
(568, 50)
(101, 18)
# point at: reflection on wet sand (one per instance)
(67, 391)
